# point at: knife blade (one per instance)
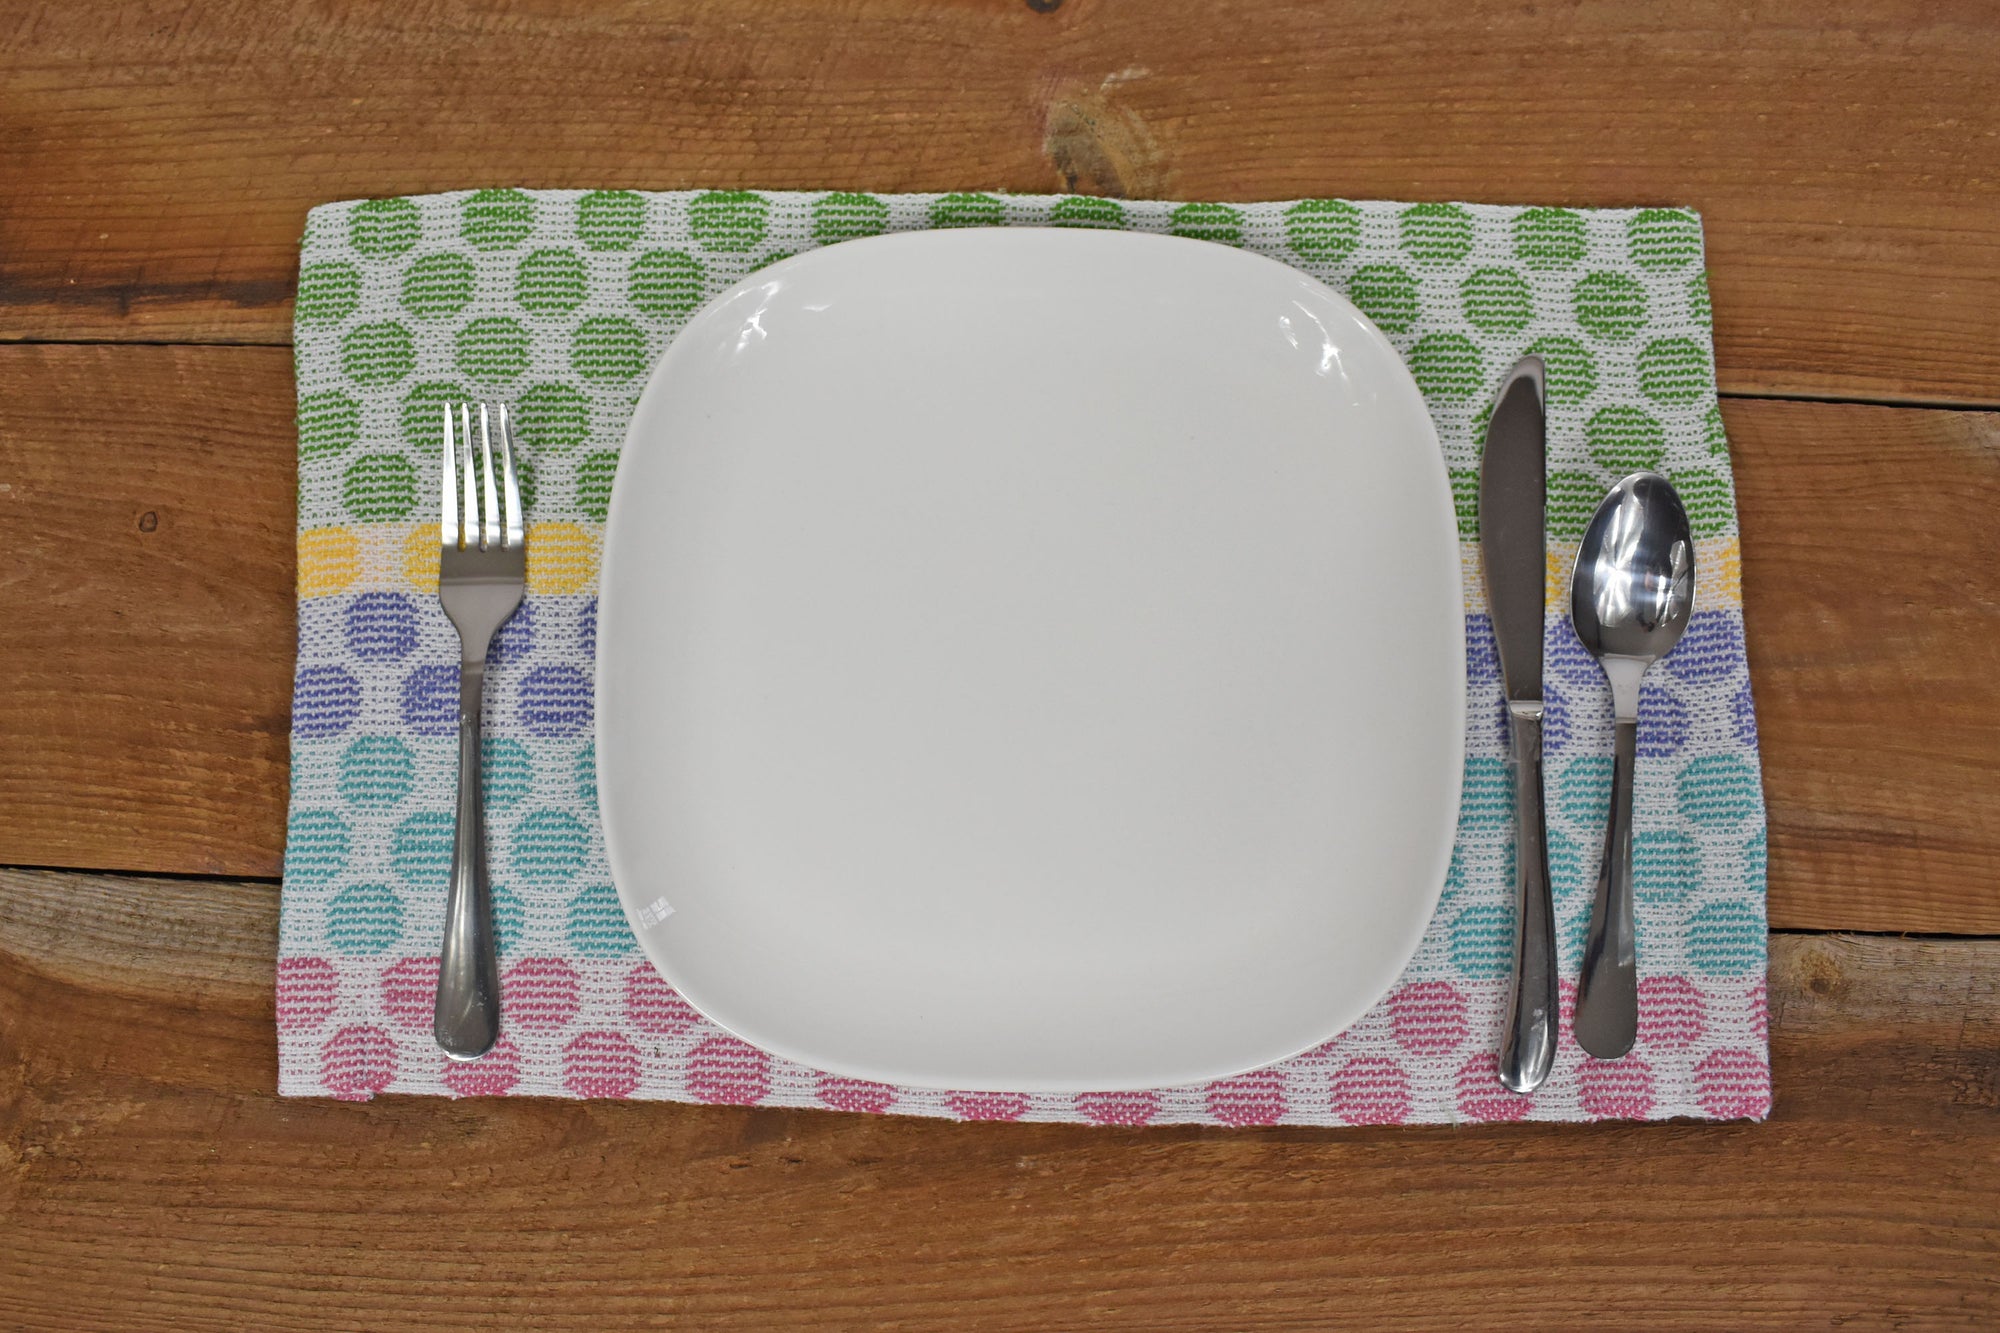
(1513, 552)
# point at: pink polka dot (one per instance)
(1428, 1017)
(1733, 1085)
(1255, 1098)
(654, 1007)
(1118, 1108)
(540, 994)
(1615, 1089)
(1372, 1091)
(987, 1105)
(600, 1064)
(725, 1071)
(492, 1074)
(357, 1062)
(1672, 1015)
(1481, 1096)
(1760, 1013)
(307, 990)
(855, 1094)
(409, 991)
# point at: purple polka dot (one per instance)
(325, 702)
(1564, 656)
(1711, 648)
(1482, 657)
(1746, 717)
(1663, 723)
(516, 638)
(430, 700)
(381, 626)
(1555, 719)
(587, 629)
(555, 701)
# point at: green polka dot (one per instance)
(492, 348)
(551, 418)
(1323, 230)
(381, 228)
(1569, 372)
(437, 286)
(420, 850)
(1496, 300)
(1447, 367)
(593, 484)
(1486, 798)
(524, 480)
(364, 919)
(1465, 499)
(1610, 306)
(379, 353)
(377, 771)
(1549, 238)
(423, 414)
(1674, 371)
(1625, 439)
(766, 261)
(1387, 295)
(1208, 222)
(1084, 210)
(1719, 790)
(496, 219)
(845, 217)
(968, 210)
(586, 776)
(1666, 866)
(551, 282)
(1663, 238)
(1572, 498)
(316, 846)
(608, 348)
(379, 488)
(1582, 791)
(666, 283)
(1698, 304)
(505, 770)
(728, 221)
(1727, 937)
(1713, 434)
(1436, 234)
(328, 293)
(1482, 940)
(328, 424)
(610, 219)
(549, 847)
(597, 927)
(1710, 501)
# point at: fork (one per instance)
(482, 573)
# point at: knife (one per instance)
(1512, 493)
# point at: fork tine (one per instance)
(470, 513)
(509, 481)
(489, 532)
(448, 520)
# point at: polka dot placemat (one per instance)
(559, 301)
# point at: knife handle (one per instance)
(1529, 1047)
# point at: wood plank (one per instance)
(160, 156)
(152, 1179)
(1868, 551)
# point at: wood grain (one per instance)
(160, 156)
(151, 1180)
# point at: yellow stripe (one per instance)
(1718, 569)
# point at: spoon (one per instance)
(1630, 600)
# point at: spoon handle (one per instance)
(1607, 995)
(1529, 1048)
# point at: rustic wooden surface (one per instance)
(158, 157)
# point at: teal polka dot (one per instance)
(1609, 306)
(1208, 222)
(492, 349)
(1709, 499)
(552, 418)
(728, 221)
(379, 488)
(1582, 791)
(422, 415)
(1718, 790)
(667, 284)
(593, 484)
(377, 771)
(379, 353)
(1572, 499)
(968, 210)
(847, 217)
(608, 349)
(597, 927)
(1625, 439)
(316, 846)
(1387, 295)
(1436, 235)
(1486, 799)
(1727, 938)
(1571, 876)
(549, 847)
(1323, 231)
(510, 921)
(586, 776)
(437, 286)
(1697, 296)
(1674, 371)
(496, 219)
(610, 219)
(1454, 881)
(1663, 238)
(1083, 210)
(506, 772)
(1569, 371)
(328, 293)
(420, 850)
(1756, 863)
(1482, 941)
(329, 423)
(1666, 866)
(1465, 500)
(381, 228)
(1447, 367)
(1496, 300)
(1549, 238)
(364, 919)
(551, 282)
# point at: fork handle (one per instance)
(468, 994)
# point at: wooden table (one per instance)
(156, 163)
